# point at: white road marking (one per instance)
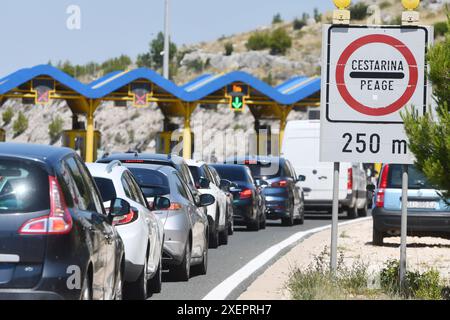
(224, 289)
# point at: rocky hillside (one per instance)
(125, 128)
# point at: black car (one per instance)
(283, 196)
(248, 203)
(56, 241)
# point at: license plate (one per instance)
(422, 204)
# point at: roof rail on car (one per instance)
(112, 164)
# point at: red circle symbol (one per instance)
(396, 105)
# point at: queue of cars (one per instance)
(106, 230)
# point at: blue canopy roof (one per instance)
(290, 92)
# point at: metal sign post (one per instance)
(335, 216)
(404, 223)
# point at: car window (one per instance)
(215, 175)
(416, 179)
(137, 190)
(23, 187)
(152, 182)
(126, 187)
(232, 173)
(106, 188)
(292, 170)
(91, 187)
(196, 173)
(208, 174)
(71, 193)
(180, 187)
(83, 199)
(187, 174)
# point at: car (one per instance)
(225, 185)
(217, 212)
(300, 145)
(282, 194)
(428, 213)
(185, 223)
(141, 230)
(248, 203)
(56, 239)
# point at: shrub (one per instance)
(258, 41)
(196, 65)
(358, 11)
(298, 24)
(20, 125)
(55, 129)
(228, 48)
(317, 15)
(280, 41)
(277, 19)
(440, 28)
(7, 115)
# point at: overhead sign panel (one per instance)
(370, 76)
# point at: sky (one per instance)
(35, 32)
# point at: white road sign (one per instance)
(370, 75)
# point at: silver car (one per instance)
(185, 222)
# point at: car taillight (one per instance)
(279, 184)
(128, 218)
(245, 194)
(59, 221)
(379, 201)
(174, 206)
(350, 179)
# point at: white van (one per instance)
(301, 146)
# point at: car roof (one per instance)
(267, 159)
(143, 156)
(101, 169)
(156, 167)
(195, 163)
(230, 166)
(44, 153)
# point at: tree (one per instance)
(429, 135)
(317, 15)
(157, 48)
(7, 116)
(20, 125)
(228, 46)
(144, 60)
(280, 41)
(277, 19)
(55, 129)
(258, 41)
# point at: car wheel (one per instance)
(138, 290)
(289, 221)
(301, 218)
(363, 212)
(183, 271)
(263, 223)
(119, 287)
(86, 292)
(223, 236)
(253, 225)
(214, 237)
(377, 237)
(231, 227)
(155, 284)
(352, 213)
(202, 268)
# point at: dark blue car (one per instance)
(248, 203)
(282, 194)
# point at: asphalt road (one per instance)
(242, 247)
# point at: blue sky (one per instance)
(34, 32)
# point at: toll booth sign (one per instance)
(372, 75)
(237, 98)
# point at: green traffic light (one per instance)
(237, 103)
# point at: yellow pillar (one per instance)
(90, 133)
(187, 137)
(283, 120)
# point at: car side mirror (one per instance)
(370, 187)
(301, 178)
(161, 203)
(204, 183)
(261, 183)
(119, 207)
(206, 200)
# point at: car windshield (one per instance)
(197, 172)
(268, 170)
(106, 187)
(23, 187)
(153, 183)
(416, 179)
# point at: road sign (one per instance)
(371, 74)
(43, 89)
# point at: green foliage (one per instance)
(429, 136)
(20, 124)
(55, 129)
(7, 116)
(144, 60)
(78, 70)
(116, 64)
(427, 285)
(440, 28)
(259, 41)
(358, 11)
(196, 65)
(298, 24)
(317, 15)
(280, 41)
(157, 47)
(228, 46)
(269, 79)
(277, 19)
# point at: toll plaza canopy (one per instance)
(43, 83)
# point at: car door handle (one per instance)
(323, 177)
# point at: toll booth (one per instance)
(2, 135)
(165, 145)
(76, 139)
